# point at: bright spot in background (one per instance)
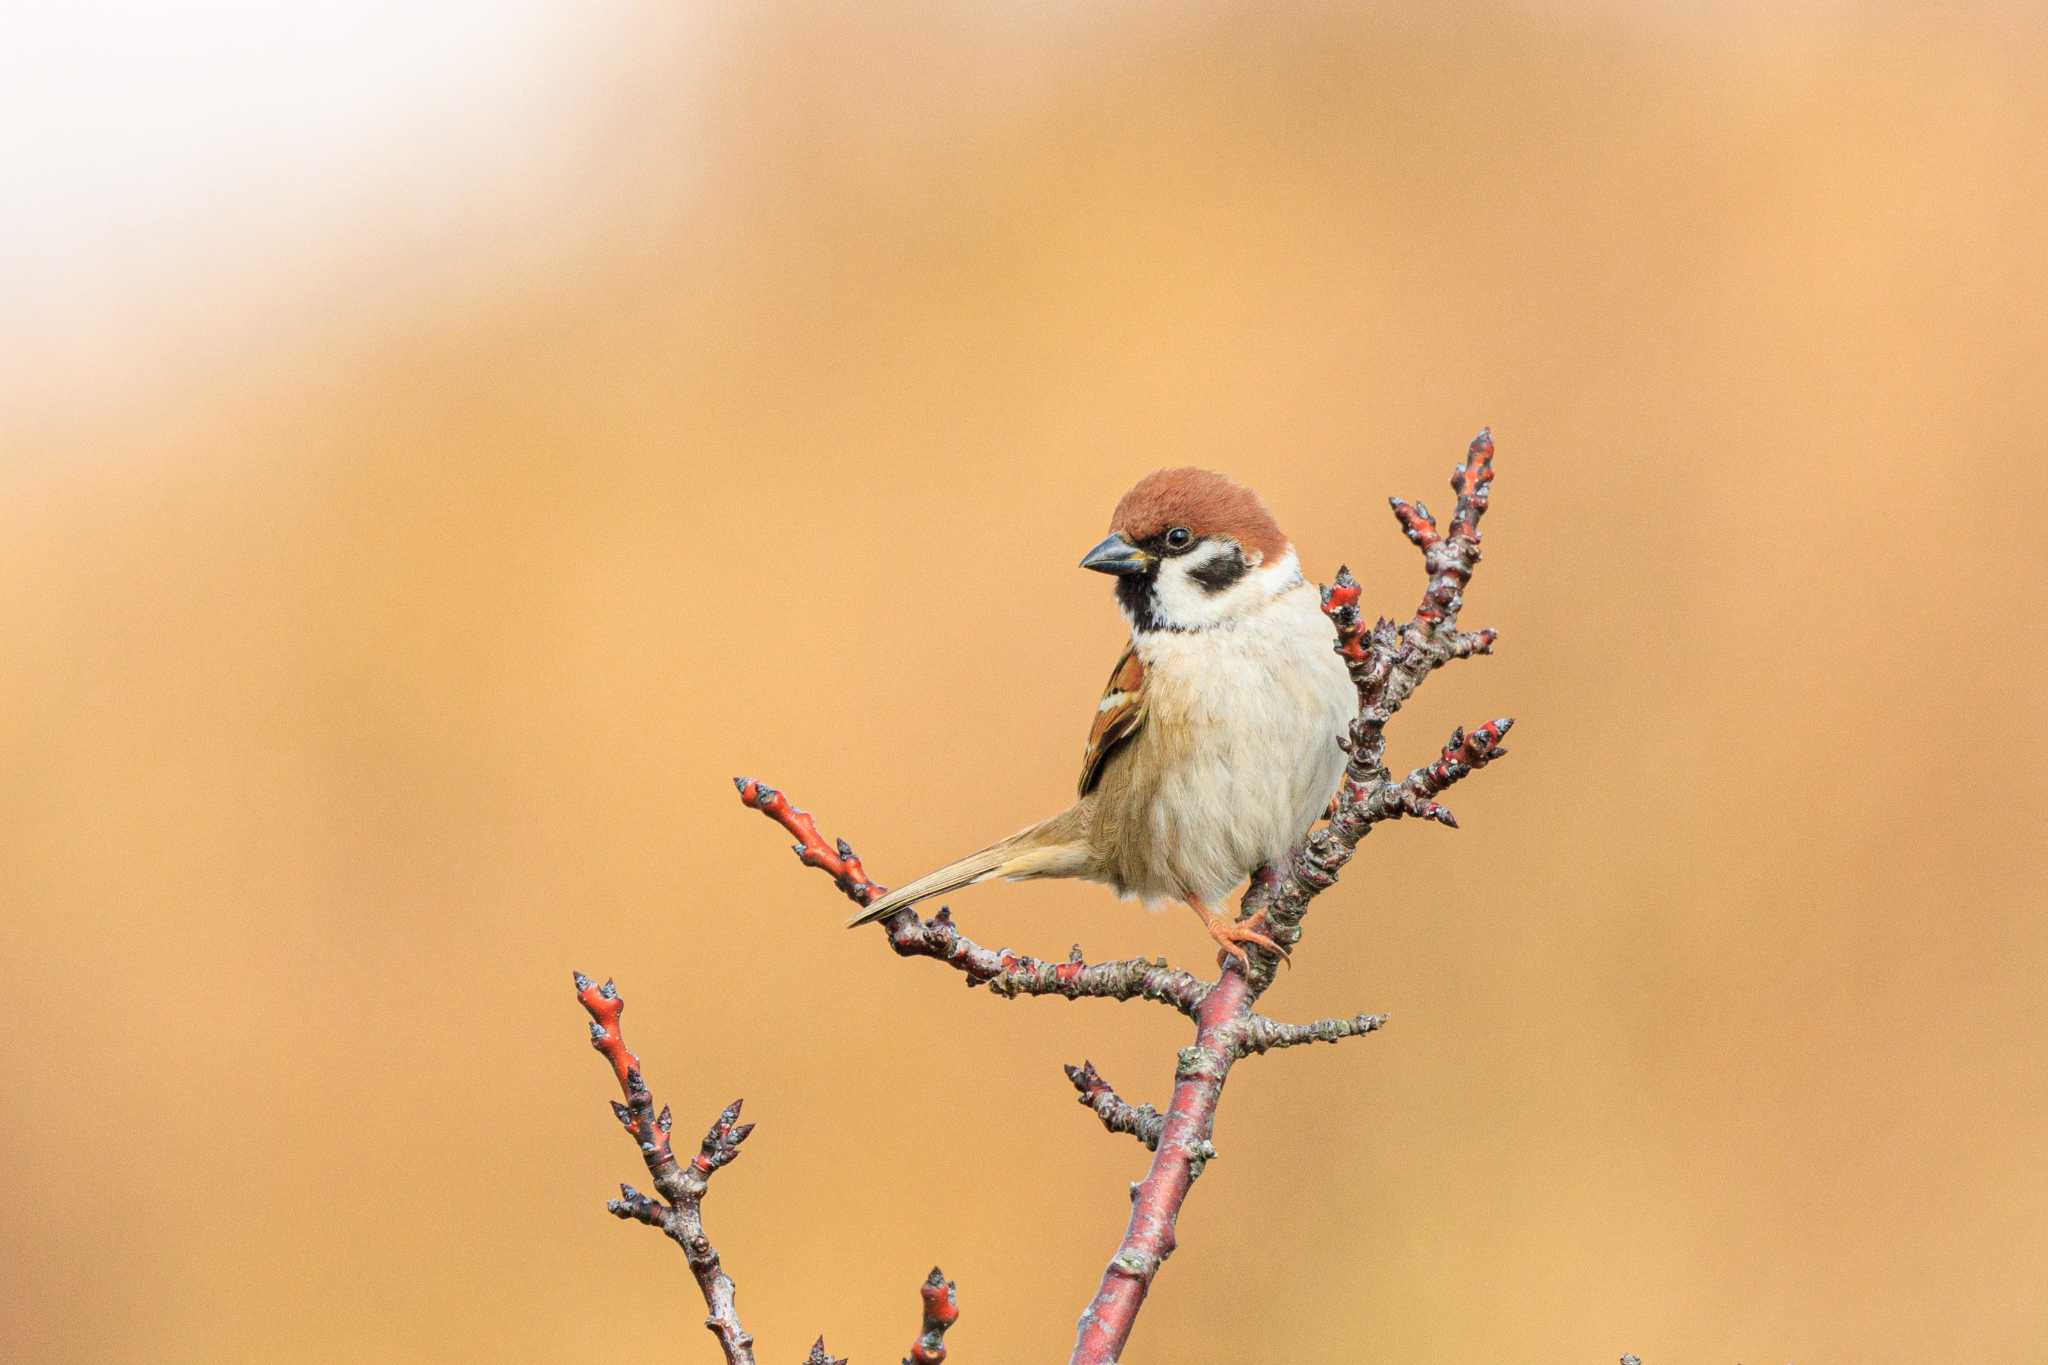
(165, 169)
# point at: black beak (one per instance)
(1118, 556)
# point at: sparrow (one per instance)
(1215, 745)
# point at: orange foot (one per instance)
(1234, 934)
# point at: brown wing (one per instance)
(1117, 717)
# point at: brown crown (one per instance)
(1207, 504)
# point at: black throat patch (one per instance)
(1134, 595)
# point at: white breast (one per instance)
(1243, 719)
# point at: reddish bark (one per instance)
(1184, 1150)
(941, 1311)
(1388, 662)
(841, 863)
(682, 1186)
(1470, 481)
(1118, 1115)
(1004, 972)
(1449, 573)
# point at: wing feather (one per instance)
(1117, 717)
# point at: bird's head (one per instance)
(1192, 550)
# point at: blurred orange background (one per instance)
(439, 451)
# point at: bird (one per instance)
(1217, 742)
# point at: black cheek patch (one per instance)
(1222, 571)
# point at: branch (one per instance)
(1183, 1154)
(1260, 1034)
(678, 1211)
(941, 1310)
(683, 1187)
(1004, 972)
(1118, 1115)
(1387, 663)
(1413, 795)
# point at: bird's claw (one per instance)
(1234, 934)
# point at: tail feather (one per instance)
(1044, 850)
(975, 867)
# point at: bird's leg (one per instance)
(1233, 934)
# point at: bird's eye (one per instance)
(1179, 538)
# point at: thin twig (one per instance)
(941, 1311)
(1118, 1115)
(1004, 972)
(681, 1186)
(1257, 1033)
(1387, 664)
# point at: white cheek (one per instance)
(1180, 601)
